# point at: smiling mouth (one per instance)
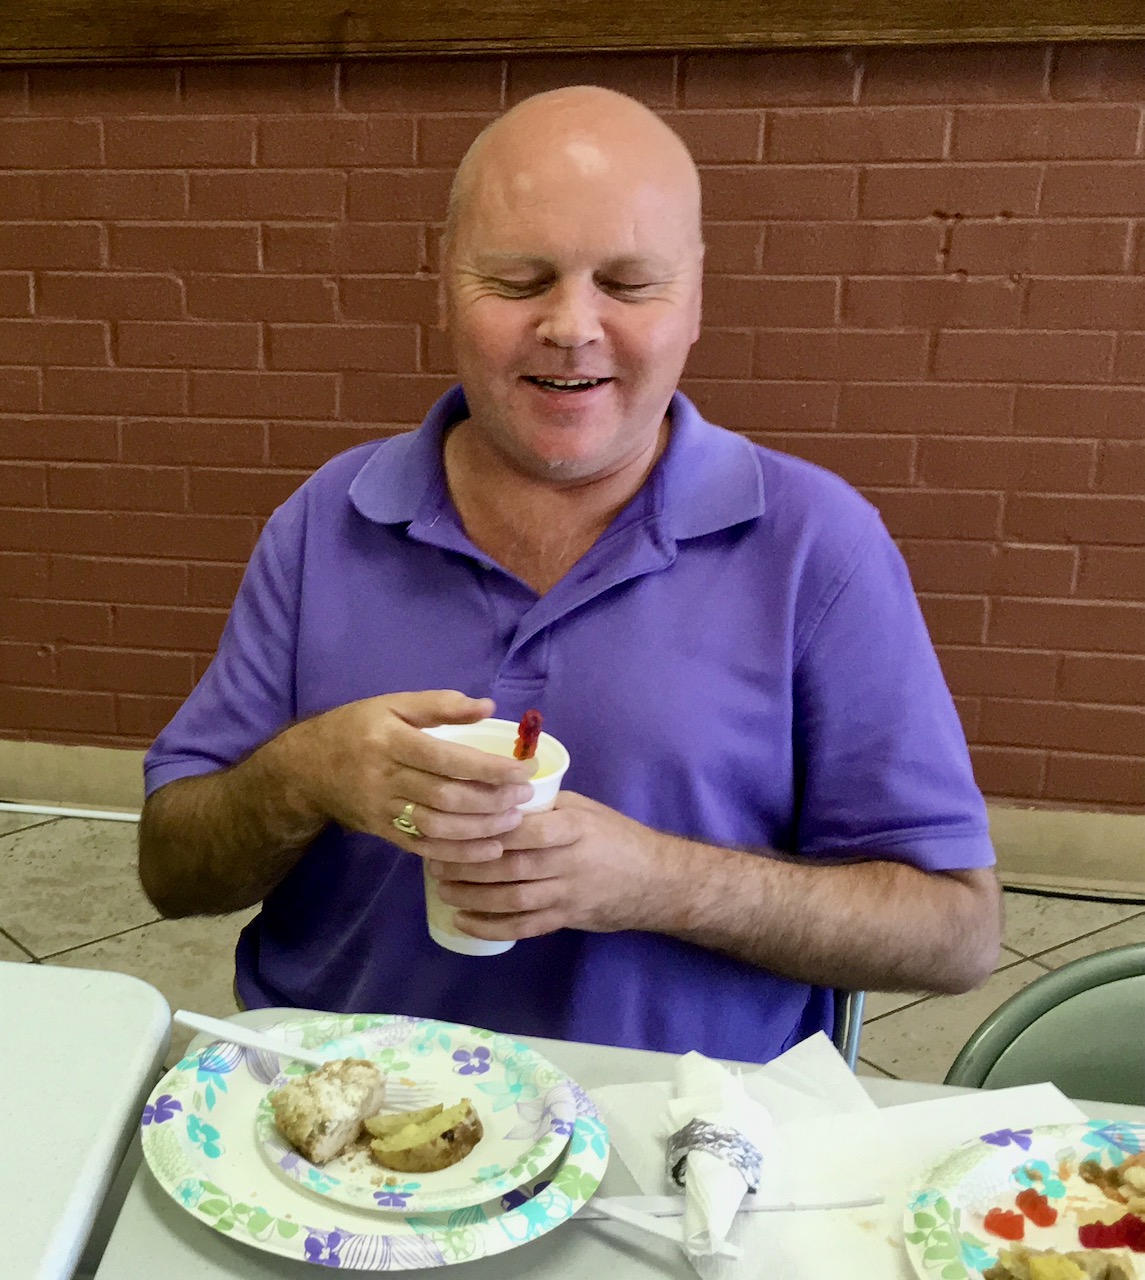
(567, 384)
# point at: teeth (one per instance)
(564, 383)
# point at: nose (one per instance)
(570, 317)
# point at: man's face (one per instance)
(572, 297)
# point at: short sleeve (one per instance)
(247, 694)
(882, 763)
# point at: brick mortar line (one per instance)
(94, 693)
(1055, 652)
(1076, 704)
(1136, 605)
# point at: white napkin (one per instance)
(830, 1143)
(709, 1093)
(808, 1091)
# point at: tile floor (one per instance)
(70, 896)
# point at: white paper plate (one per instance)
(199, 1140)
(944, 1231)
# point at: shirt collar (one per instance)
(709, 478)
(406, 472)
(706, 479)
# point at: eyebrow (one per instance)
(495, 261)
(501, 261)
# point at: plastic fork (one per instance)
(401, 1095)
(670, 1229)
(673, 1206)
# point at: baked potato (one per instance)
(425, 1141)
(384, 1126)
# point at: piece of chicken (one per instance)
(321, 1113)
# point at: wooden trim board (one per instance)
(150, 30)
(71, 777)
(1070, 851)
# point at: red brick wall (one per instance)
(925, 271)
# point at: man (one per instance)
(770, 794)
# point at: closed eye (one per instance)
(625, 288)
(539, 284)
(519, 288)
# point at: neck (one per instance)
(536, 528)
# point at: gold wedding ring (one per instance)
(405, 823)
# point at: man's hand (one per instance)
(578, 866)
(874, 924)
(361, 764)
(221, 841)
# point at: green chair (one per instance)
(1081, 1026)
(848, 1024)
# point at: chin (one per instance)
(571, 472)
(568, 454)
(564, 468)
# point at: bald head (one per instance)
(571, 285)
(578, 135)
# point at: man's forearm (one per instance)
(870, 925)
(221, 841)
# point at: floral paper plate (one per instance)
(998, 1173)
(526, 1107)
(199, 1139)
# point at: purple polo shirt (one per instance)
(740, 659)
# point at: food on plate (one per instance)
(1036, 1207)
(425, 1141)
(324, 1113)
(1128, 1230)
(1005, 1224)
(1021, 1263)
(321, 1113)
(385, 1124)
(1119, 1222)
(1124, 1183)
(528, 734)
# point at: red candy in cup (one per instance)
(528, 734)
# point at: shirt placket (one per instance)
(619, 557)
